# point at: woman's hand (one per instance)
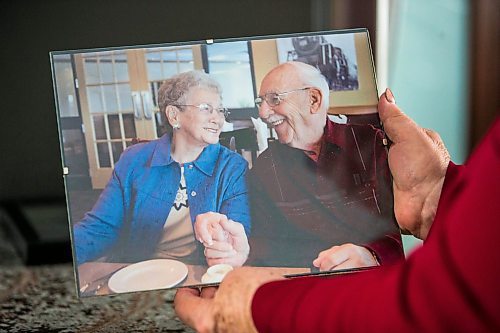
(225, 241)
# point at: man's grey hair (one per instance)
(173, 90)
(312, 77)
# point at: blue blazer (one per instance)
(132, 209)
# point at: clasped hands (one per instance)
(225, 240)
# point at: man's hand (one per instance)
(229, 308)
(343, 257)
(225, 241)
(418, 161)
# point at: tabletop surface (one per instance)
(43, 299)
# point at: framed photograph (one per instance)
(185, 160)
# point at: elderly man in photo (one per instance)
(320, 197)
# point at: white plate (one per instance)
(148, 275)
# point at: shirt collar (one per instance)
(207, 159)
(161, 153)
(333, 134)
(205, 162)
(333, 142)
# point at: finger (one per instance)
(216, 261)
(398, 126)
(323, 254)
(218, 233)
(317, 262)
(194, 310)
(210, 253)
(334, 259)
(201, 229)
(185, 300)
(220, 246)
(330, 250)
(204, 223)
(235, 229)
(191, 291)
(238, 235)
(346, 265)
(208, 292)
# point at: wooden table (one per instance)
(93, 276)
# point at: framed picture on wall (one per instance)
(334, 55)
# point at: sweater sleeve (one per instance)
(450, 284)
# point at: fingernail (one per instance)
(389, 96)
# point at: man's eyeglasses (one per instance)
(274, 99)
(207, 109)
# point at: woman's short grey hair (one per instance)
(173, 90)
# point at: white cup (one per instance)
(216, 273)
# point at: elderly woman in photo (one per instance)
(159, 190)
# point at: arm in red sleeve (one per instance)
(448, 285)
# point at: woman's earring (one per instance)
(176, 126)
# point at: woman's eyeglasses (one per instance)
(207, 109)
(274, 99)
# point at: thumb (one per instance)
(239, 238)
(398, 126)
(234, 228)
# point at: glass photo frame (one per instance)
(285, 205)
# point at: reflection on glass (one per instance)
(66, 94)
(103, 155)
(229, 64)
(99, 127)
(74, 151)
